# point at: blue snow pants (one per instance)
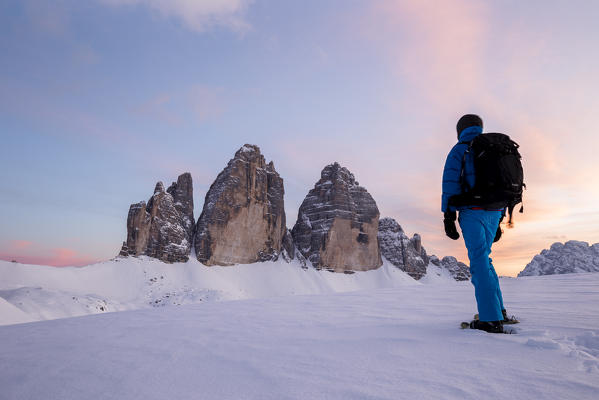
(478, 229)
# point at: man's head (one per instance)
(467, 121)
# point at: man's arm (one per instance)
(451, 187)
(451, 178)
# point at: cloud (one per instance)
(20, 244)
(39, 255)
(198, 15)
(30, 252)
(450, 57)
(158, 107)
(435, 48)
(193, 105)
(206, 102)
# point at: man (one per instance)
(480, 226)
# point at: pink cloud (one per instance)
(436, 48)
(27, 252)
(20, 244)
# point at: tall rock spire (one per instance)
(243, 219)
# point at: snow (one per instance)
(248, 149)
(131, 283)
(11, 314)
(369, 335)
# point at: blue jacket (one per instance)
(453, 168)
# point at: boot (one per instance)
(487, 326)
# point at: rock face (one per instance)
(162, 228)
(182, 192)
(410, 256)
(338, 223)
(405, 253)
(564, 258)
(290, 252)
(243, 220)
(458, 270)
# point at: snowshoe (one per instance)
(509, 319)
(490, 327)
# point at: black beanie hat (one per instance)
(467, 121)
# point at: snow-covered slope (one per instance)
(32, 292)
(571, 257)
(395, 343)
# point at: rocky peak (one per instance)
(337, 223)
(243, 219)
(250, 153)
(182, 192)
(335, 173)
(458, 270)
(390, 225)
(160, 228)
(409, 255)
(564, 258)
(405, 253)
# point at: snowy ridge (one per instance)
(564, 258)
(33, 292)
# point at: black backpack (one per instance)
(499, 178)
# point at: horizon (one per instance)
(104, 98)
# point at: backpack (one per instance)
(499, 178)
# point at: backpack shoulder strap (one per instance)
(463, 183)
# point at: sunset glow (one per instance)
(103, 98)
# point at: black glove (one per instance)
(449, 222)
(498, 234)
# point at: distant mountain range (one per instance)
(564, 258)
(243, 221)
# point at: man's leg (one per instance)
(499, 294)
(490, 217)
(478, 230)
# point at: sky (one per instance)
(101, 99)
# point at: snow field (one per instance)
(42, 292)
(390, 343)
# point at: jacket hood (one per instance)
(470, 133)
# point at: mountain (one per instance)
(405, 253)
(564, 258)
(243, 219)
(409, 255)
(162, 228)
(337, 224)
